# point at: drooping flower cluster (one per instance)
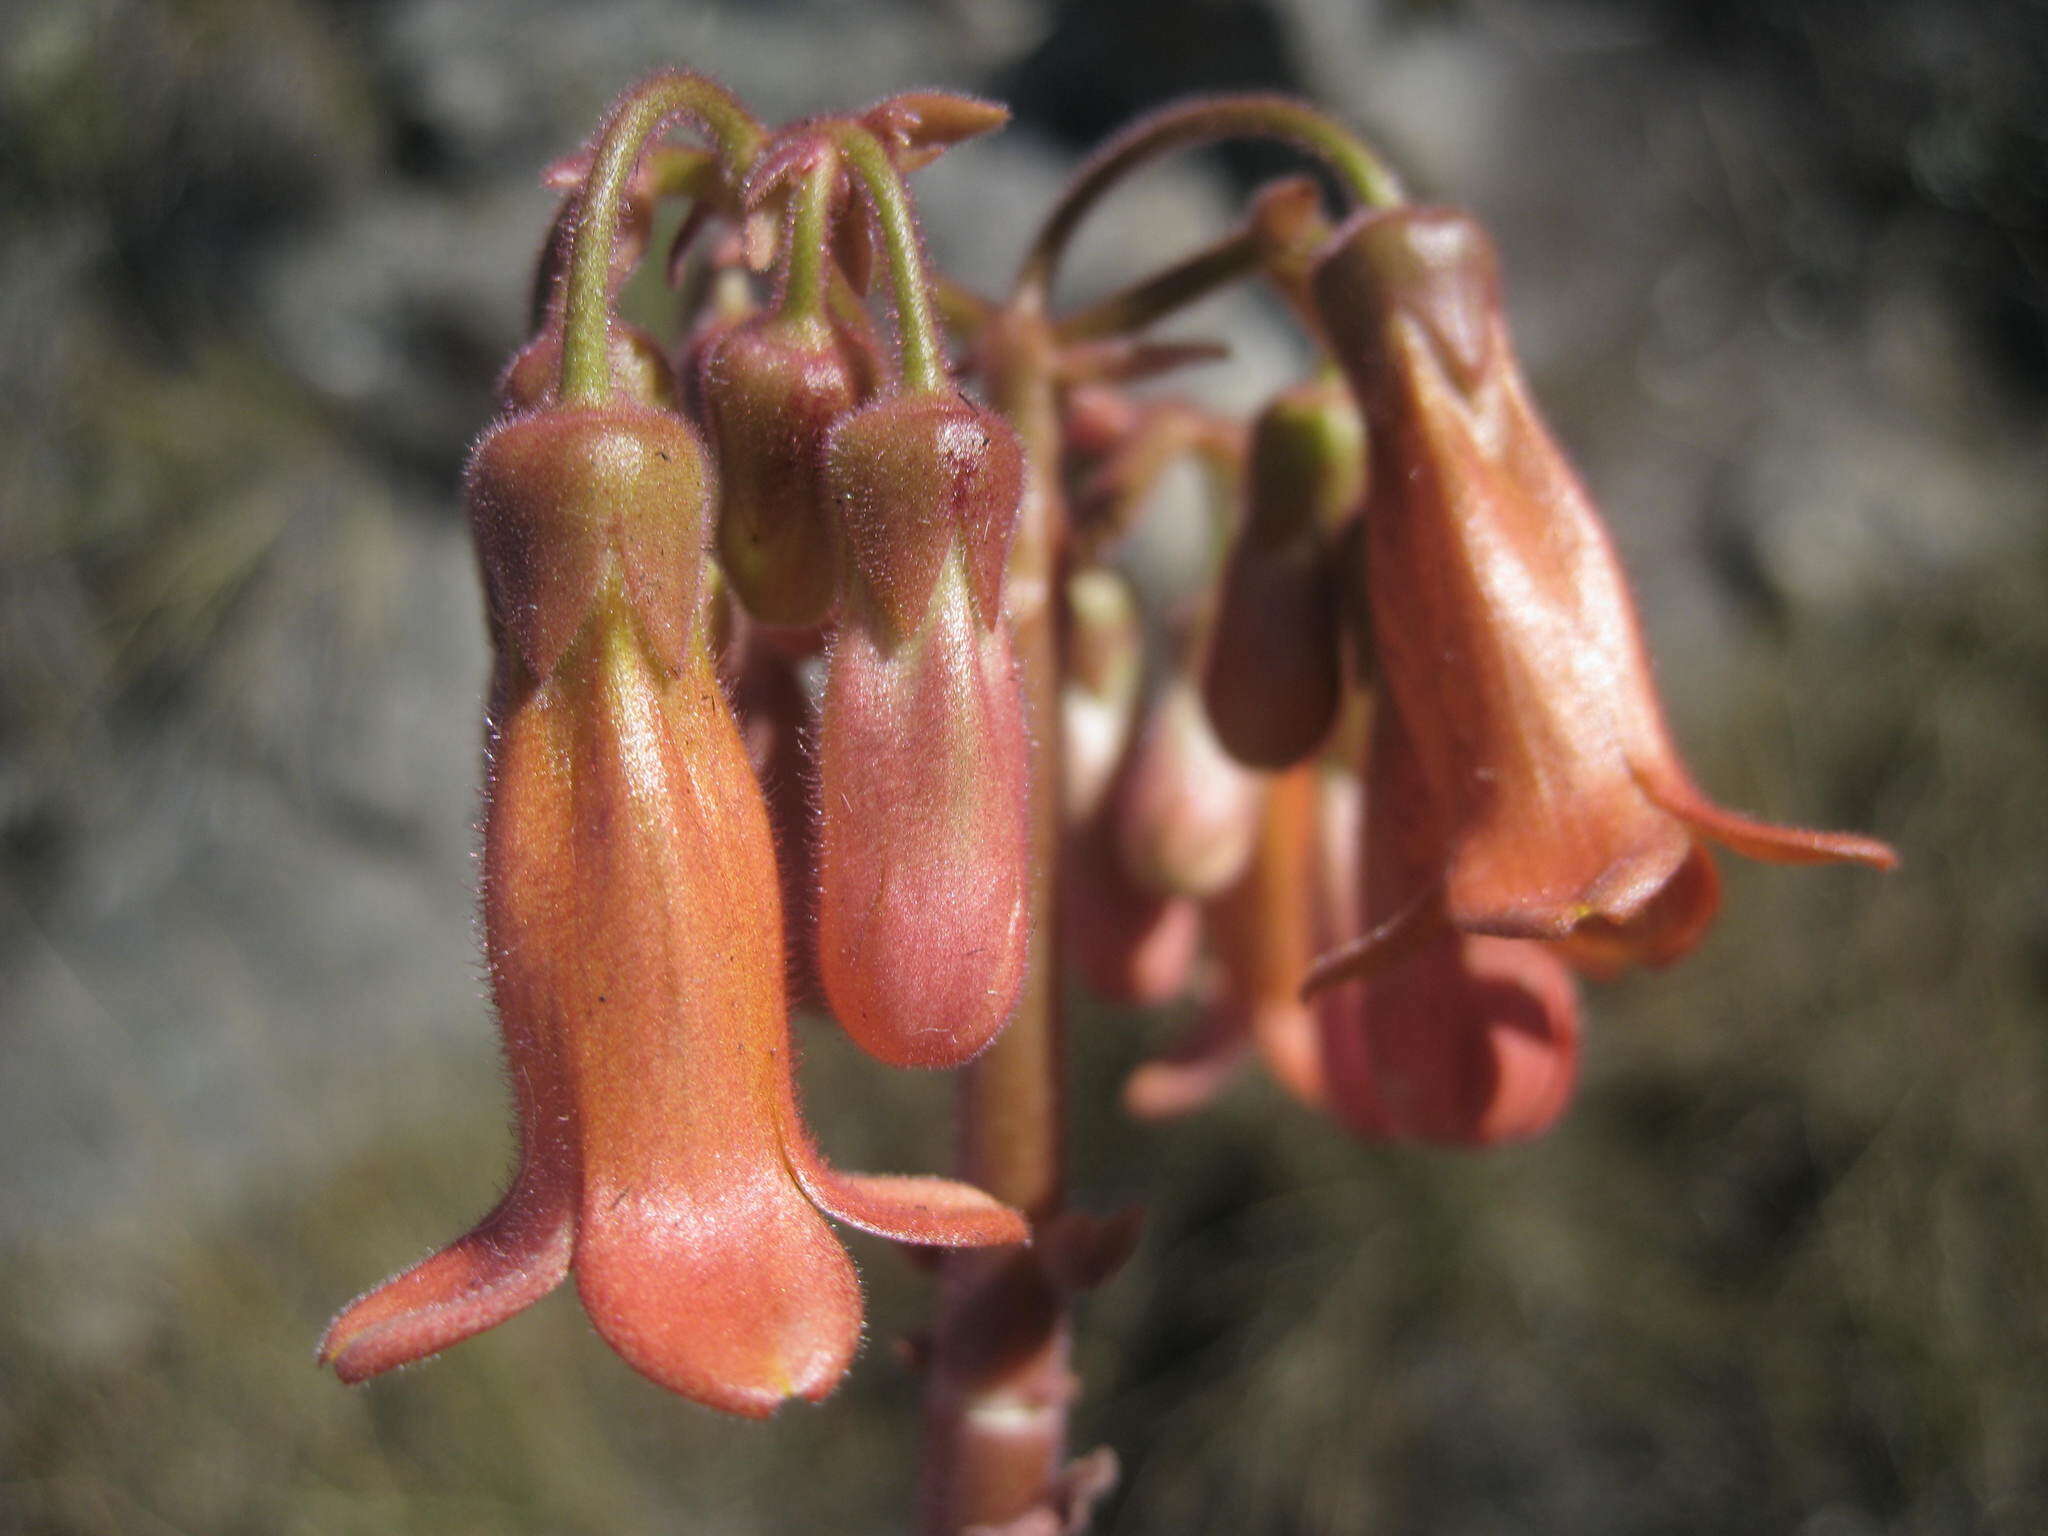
(758, 726)
(1525, 813)
(633, 917)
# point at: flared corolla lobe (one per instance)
(1502, 627)
(634, 939)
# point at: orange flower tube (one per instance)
(1503, 628)
(634, 938)
(1466, 1039)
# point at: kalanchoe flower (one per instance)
(634, 940)
(923, 922)
(1467, 1039)
(1503, 631)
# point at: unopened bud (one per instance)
(770, 390)
(640, 371)
(1129, 945)
(1275, 668)
(918, 126)
(1099, 702)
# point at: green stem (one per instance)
(806, 263)
(1362, 172)
(586, 377)
(917, 329)
(1195, 277)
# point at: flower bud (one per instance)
(563, 497)
(1263, 932)
(640, 370)
(923, 910)
(770, 389)
(918, 126)
(912, 474)
(1128, 945)
(1274, 667)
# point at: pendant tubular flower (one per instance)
(634, 940)
(1503, 630)
(1465, 1039)
(923, 922)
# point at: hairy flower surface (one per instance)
(1503, 631)
(923, 923)
(634, 935)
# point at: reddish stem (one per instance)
(999, 1388)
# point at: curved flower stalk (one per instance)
(770, 386)
(1504, 634)
(923, 921)
(634, 938)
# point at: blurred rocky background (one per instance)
(1778, 267)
